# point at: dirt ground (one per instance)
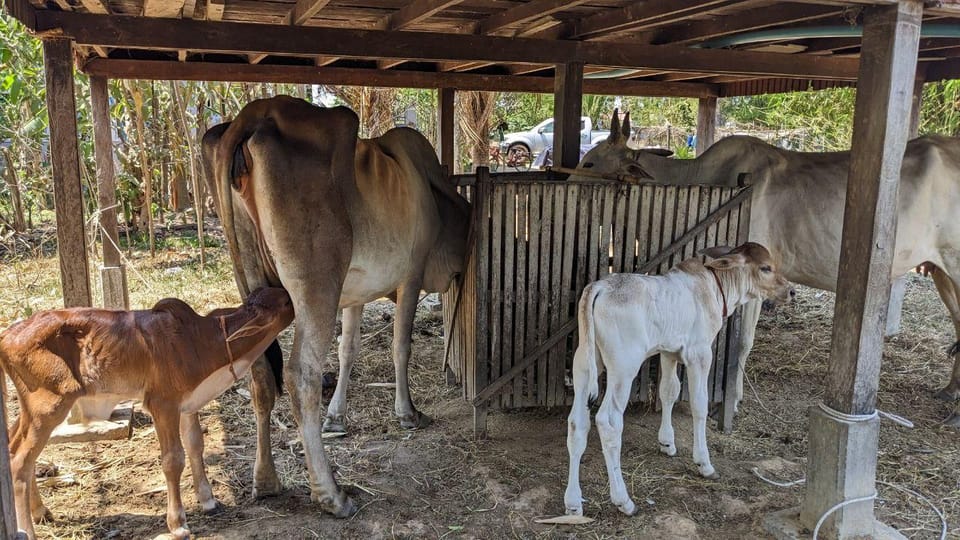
(441, 483)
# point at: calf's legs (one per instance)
(578, 428)
(698, 368)
(347, 353)
(166, 418)
(669, 392)
(610, 426)
(751, 316)
(192, 436)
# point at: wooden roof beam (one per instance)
(99, 7)
(641, 15)
(414, 12)
(304, 10)
(525, 12)
(212, 71)
(241, 38)
(756, 19)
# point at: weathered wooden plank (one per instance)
(547, 221)
(414, 12)
(568, 297)
(304, 10)
(106, 182)
(594, 255)
(533, 284)
(64, 156)
(620, 202)
(669, 222)
(484, 233)
(630, 242)
(555, 309)
(496, 279)
(606, 236)
(509, 294)
(520, 285)
(680, 223)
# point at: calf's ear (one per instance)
(716, 252)
(725, 263)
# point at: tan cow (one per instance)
(798, 205)
(626, 318)
(172, 358)
(338, 221)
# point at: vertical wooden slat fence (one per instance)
(536, 243)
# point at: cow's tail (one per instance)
(586, 361)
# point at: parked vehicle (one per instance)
(533, 141)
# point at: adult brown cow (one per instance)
(337, 221)
(797, 211)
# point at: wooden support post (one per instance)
(8, 516)
(113, 277)
(65, 157)
(899, 287)
(706, 123)
(445, 123)
(567, 105)
(844, 430)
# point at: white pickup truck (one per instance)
(535, 139)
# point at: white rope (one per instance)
(839, 505)
(756, 472)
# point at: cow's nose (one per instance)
(793, 293)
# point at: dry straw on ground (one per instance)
(441, 483)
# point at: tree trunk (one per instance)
(197, 200)
(13, 185)
(475, 110)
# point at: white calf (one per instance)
(627, 318)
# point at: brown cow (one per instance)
(169, 356)
(338, 221)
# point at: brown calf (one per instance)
(169, 356)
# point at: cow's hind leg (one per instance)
(751, 316)
(303, 377)
(407, 296)
(578, 428)
(263, 390)
(947, 288)
(698, 363)
(166, 418)
(610, 426)
(349, 346)
(669, 392)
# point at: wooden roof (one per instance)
(653, 47)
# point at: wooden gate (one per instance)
(536, 243)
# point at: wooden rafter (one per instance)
(99, 7)
(162, 8)
(144, 32)
(414, 12)
(699, 30)
(303, 10)
(642, 15)
(215, 10)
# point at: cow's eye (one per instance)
(766, 269)
(587, 165)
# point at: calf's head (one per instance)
(263, 315)
(761, 277)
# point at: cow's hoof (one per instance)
(953, 420)
(181, 533)
(574, 510)
(708, 472)
(946, 394)
(417, 420)
(42, 515)
(340, 506)
(628, 508)
(668, 449)
(266, 487)
(335, 424)
(211, 507)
